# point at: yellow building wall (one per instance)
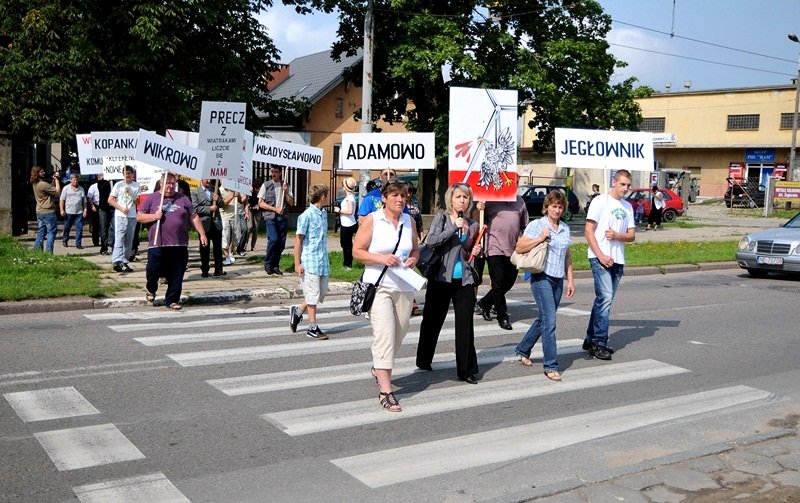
(704, 145)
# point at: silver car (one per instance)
(776, 250)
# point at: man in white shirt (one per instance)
(609, 225)
(124, 197)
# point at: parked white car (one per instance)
(771, 250)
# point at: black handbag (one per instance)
(429, 259)
(363, 293)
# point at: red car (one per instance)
(673, 210)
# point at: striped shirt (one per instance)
(557, 247)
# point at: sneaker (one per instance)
(227, 261)
(126, 268)
(117, 266)
(232, 258)
(295, 317)
(317, 333)
(348, 268)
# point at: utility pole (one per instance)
(794, 173)
(366, 90)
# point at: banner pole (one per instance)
(160, 206)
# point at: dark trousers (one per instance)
(503, 275)
(346, 240)
(214, 237)
(105, 229)
(167, 262)
(437, 302)
(94, 226)
(277, 229)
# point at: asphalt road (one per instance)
(224, 404)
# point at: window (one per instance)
(786, 120)
(653, 124)
(743, 122)
(339, 107)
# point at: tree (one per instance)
(553, 52)
(72, 66)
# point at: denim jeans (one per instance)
(124, 228)
(47, 230)
(276, 241)
(547, 292)
(69, 220)
(606, 281)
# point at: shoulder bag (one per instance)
(429, 259)
(532, 261)
(363, 292)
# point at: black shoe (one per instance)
(486, 313)
(66, 245)
(126, 268)
(504, 323)
(610, 349)
(317, 333)
(117, 266)
(295, 317)
(204, 275)
(268, 270)
(425, 366)
(470, 379)
(587, 346)
(220, 273)
(277, 271)
(79, 247)
(600, 353)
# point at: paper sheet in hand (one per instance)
(407, 276)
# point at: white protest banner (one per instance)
(169, 155)
(190, 138)
(601, 149)
(114, 143)
(246, 172)
(221, 134)
(288, 154)
(482, 145)
(388, 151)
(90, 164)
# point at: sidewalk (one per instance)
(246, 280)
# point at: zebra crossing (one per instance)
(232, 341)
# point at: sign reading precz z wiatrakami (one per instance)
(601, 149)
(221, 137)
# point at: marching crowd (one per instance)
(384, 233)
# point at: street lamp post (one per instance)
(795, 173)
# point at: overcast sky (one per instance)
(755, 30)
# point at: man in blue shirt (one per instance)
(372, 200)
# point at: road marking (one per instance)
(305, 378)
(75, 448)
(427, 459)
(155, 314)
(53, 403)
(145, 488)
(39, 376)
(252, 353)
(269, 330)
(361, 412)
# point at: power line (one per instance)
(702, 60)
(672, 35)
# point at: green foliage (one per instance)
(655, 253)
(25, 274)
(78, 66)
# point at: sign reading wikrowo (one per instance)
(169, 155)
(601, 149)
(287, 154)
(377, 151)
